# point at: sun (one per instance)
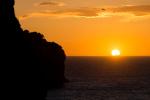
(115, 52)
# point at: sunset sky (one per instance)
(90, 27)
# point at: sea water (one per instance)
(105, 78)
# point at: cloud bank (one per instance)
(140, 10)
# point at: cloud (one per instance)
(79, 12)
(140, 10)
(86, 12)
(50, 3)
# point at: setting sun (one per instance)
(115, 52)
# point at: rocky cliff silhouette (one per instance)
(30, 64)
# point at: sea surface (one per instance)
(105, 78)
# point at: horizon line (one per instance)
(107, 56)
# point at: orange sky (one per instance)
(90, 27)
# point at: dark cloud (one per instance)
(50, 3)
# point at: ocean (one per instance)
(105, 78)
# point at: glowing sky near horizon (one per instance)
(90, 27)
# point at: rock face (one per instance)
(30, 64)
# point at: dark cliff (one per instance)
(30, 64)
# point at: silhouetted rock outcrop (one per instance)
(30, 63)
